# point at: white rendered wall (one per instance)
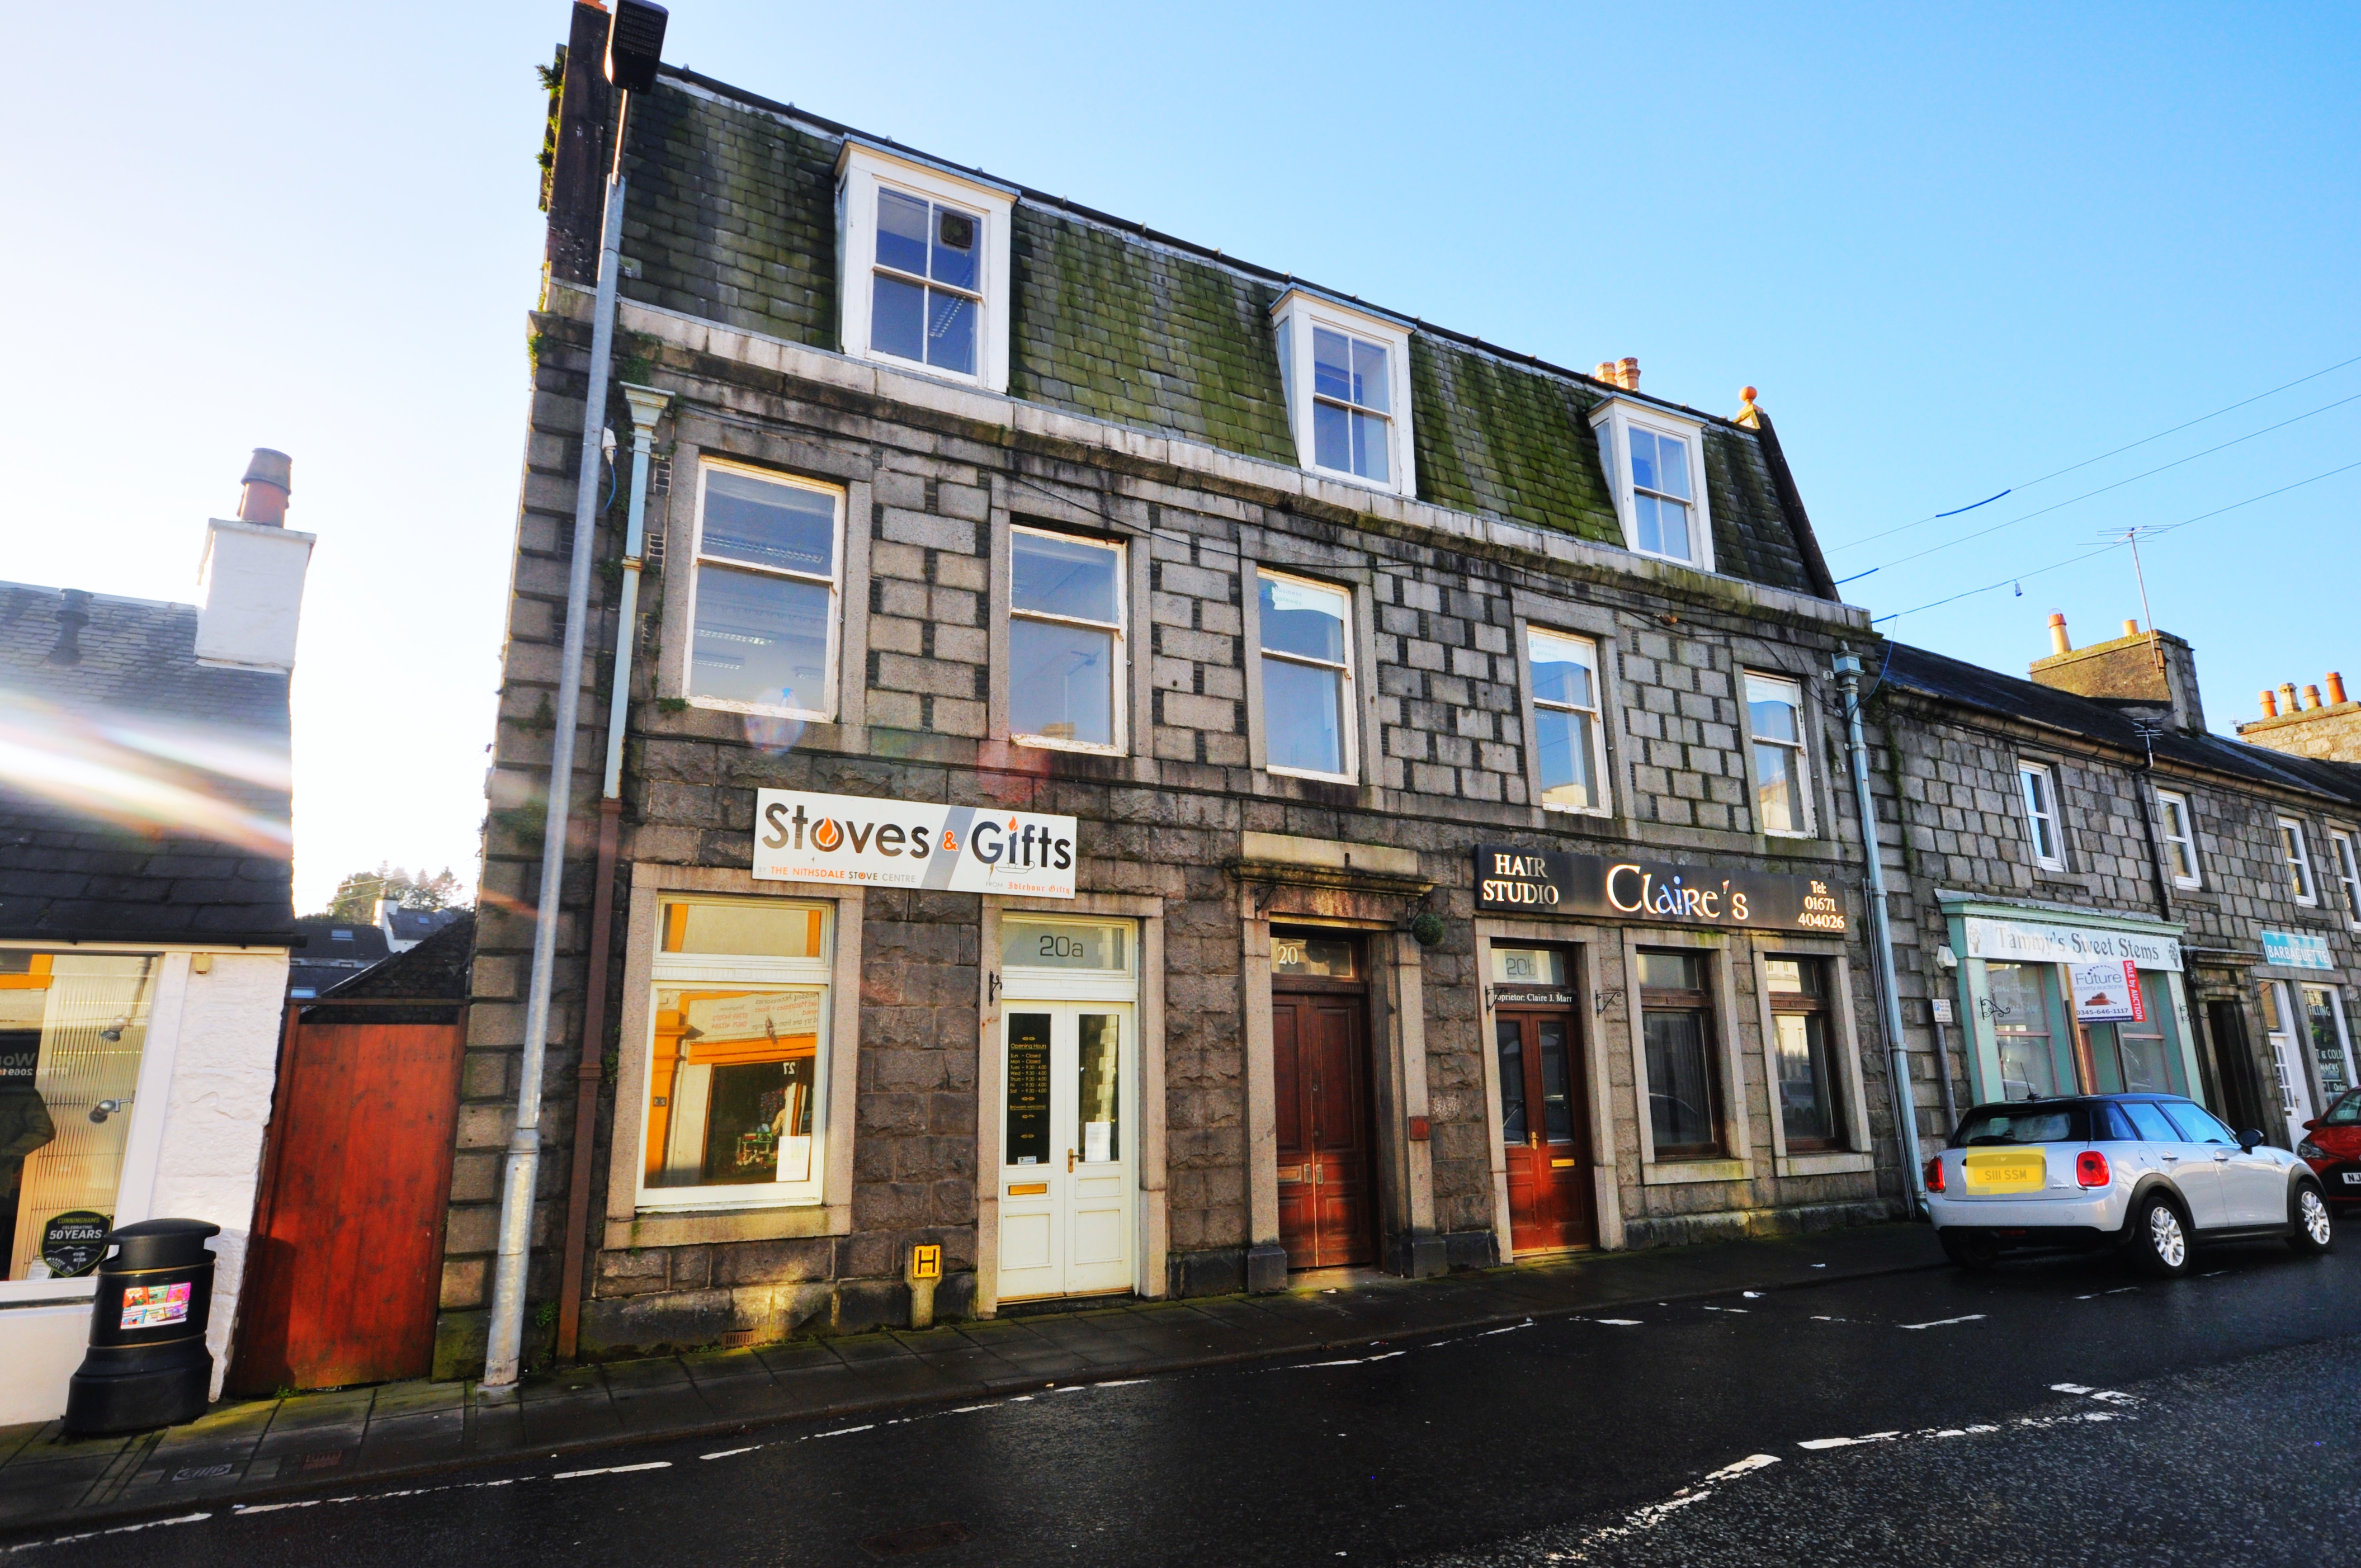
(253, 578)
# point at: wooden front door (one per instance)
(1545, 1122)
(1327, 1199)
(345, 1269)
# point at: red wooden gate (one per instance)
(343, 1276)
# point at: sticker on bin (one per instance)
(146, 1306)
(2017, 1170)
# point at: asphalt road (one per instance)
(2054, 1413)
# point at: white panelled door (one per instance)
(1067, 1182)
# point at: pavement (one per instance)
(248, 1453)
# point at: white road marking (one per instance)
(2069, 1388)
(1819, 1442)
(1622, 1322)
(612, 1470)
(1740, 1311)
(727, 1453)
(1944, 1323)
(1752, 1295)
(1751, 1462)
(847, 1431)
(95, 1534)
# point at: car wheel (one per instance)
(2311, 1230)
(1969, 1252)
(2160, 1237)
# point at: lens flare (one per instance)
(149, 776)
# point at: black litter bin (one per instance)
(147, 1365)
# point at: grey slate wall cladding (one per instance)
(67, 874)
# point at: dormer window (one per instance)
(1347, 378)
(1656, 465)
(925, 257)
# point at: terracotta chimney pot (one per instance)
(2271, 701)
(2058, 642)
(2336, 689)
(1605, 371)
(2310, 697)
(1629, 379)
(2131, 628)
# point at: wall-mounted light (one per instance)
(105, 1108)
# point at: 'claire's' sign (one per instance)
(1545, 882)
(800, 837)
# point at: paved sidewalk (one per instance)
(253, 1450)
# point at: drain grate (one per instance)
(918, 1538)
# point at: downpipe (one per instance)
(504, 1342)
(646, 405)
(1905, 1111)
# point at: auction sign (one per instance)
(899, 843)
(1544, 882)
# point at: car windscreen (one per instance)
(2345, 1112)
(2024, 1124)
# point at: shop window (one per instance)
(2180, 831)
(1569, 740)
(2016, 999)
(1347, 377)
(764, 597)
(1774, 718)
(736, 1110)
(2039, 785)
(1065, 640)
(2332, 1053)
(926, 259)
(2299, 862)
(72, 1029)
(1307, 678)
(1655, 466)
(2348, 872)
(1808, 1112)
(1676, 1024)
(2130, 1057)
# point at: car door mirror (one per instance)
(2308, 1126)
(2248, 1139)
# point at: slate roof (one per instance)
(732, 219)
(1952, 680)
(321, 959)
(424, 985)
(417, 924)
(166, 815)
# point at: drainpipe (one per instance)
(646, 403)
(1905, 1113)
(504, 1342)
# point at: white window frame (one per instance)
(1118, 678)
(1293, 316)
(1602, 782)
(1800, 747)
(860, 171)
(835, 581)
(1614, 420)
(2170, 803)
(2297, 849)
(747, 972)
(2348, 872)
(1348, 714)
(2035, 820)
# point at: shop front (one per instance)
(2301, 995)
(1723, 995)
(2062, 1002)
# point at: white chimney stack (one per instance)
(253, 575)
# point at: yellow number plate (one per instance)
(2013, 1171)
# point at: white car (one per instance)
(2152, 1174)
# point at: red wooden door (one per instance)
(1545, 1122)
(344, 1273)
(1327, 1210)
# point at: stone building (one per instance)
(2042, 838)
(1141, 772)
(2310, 725)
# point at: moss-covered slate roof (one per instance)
(732, 219)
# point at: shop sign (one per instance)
(2034, 942)
(2108, 993)
(801, 836)
(1545, 882)
(2296, 950)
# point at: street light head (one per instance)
(635, 44)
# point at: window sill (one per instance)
(1051, 743)
(1595, 813)
(1276, 772)
(920, 367)
(696, 1227)
(1826, 1162)
(724, 705)
(1341, 476)
(1668, 1172)
(75, 1293)
(1669, 560)
(1792, 835)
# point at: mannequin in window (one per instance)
(25, 1128)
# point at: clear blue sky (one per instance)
(1956, 250)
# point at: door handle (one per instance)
(2222, 1158)
(2170, 1159)
(1069, 1162)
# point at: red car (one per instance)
(2331, 1146)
